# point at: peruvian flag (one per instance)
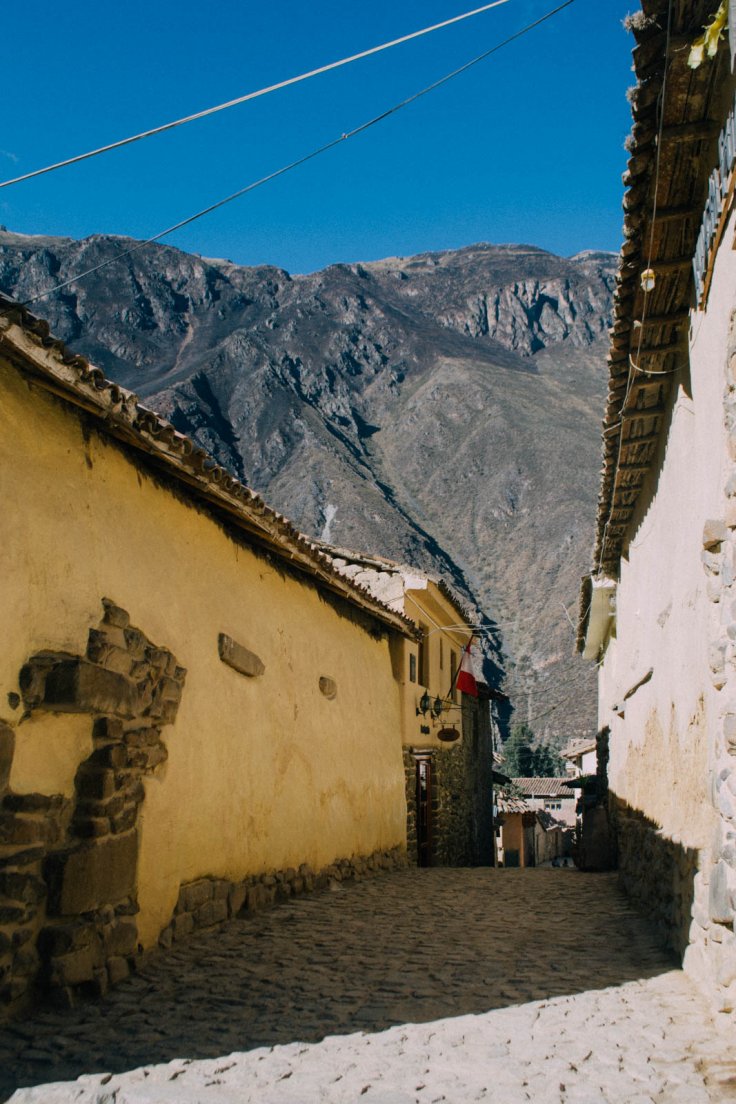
(465, 677)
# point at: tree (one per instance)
(523, 760)
(518, 754)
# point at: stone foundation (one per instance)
(462, 815)
(210, 901)
(711, 956)
(657, 873)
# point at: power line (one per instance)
(301, 160)
(252, 95)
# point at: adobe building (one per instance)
(658, 612)
(447, 736)
(198, 713)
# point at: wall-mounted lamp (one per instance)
(648, 279)
(425, 704)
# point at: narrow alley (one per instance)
(547, 985)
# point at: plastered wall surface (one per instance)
(262, 772)
(430, 608)
(672, 771)
(659, 749)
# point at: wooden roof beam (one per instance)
(690, 132)
(678, 214)
(676, 318)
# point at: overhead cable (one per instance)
(252, 95)
(300, 160)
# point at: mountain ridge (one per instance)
(441, 409)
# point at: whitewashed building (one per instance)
(658, 611)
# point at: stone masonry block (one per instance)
(18, 829)
(211, 912)
(26, 888)
(78, 686)
(195, 894)
(60, 939)
(7, 746)
(182, 925)
(114, 615)
(95, 784)
(715, 531)
(108, 730)
(719, 903)
(236, 899)
(77, 966)
(93, 876)
(121, 937)
(117, 969)
(239, 658)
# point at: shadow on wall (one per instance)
(655, 872)
(408, 947)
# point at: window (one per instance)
(442, 654)
(453, 673)
(423, 656)
(412, 667)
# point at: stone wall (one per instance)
(209, 901)
(656, 872)
(711, 958)
(462, 815)
(68, 865)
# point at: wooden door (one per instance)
(424, 812)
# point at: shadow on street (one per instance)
(407, 947)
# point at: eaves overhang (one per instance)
(597, 615)
(25, 342)
(672, 155)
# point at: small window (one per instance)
(453, 673)
(412, 667)
(424, 656)
(442, 654)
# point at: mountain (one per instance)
(442, 409)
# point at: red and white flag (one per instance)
(465, 677)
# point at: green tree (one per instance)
(547, 763)
(518, 754)
(524, 760)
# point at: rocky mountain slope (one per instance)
(442, 409)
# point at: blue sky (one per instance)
(526, 147)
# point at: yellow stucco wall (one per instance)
(432, 610)
(262, 773)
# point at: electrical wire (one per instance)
(252, 95)
(301, 160)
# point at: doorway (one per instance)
(424, 812)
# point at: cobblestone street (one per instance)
(409, 948)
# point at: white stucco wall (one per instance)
(659, 748)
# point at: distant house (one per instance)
(527, 836)
(447, 736)
(658, 610)
(580, 757)
(549, 795)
